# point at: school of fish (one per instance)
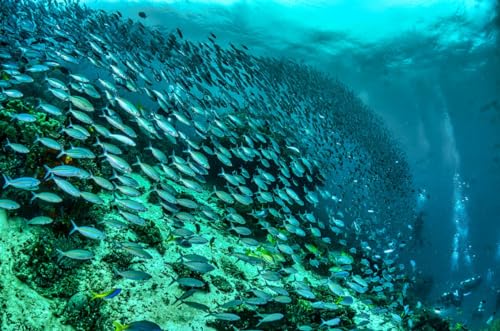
(271, 153)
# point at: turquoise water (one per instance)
(325, 164)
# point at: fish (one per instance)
(48, 142)
(134, 275)
(91, 197)
(225, 316)
(142, 325)
(66, 186)
(8, 204)
(136, 250)
(15, 94)
(269, 318)
(196, 305)
(132, 218)
(77, 153)
(87, 231)
(23, 117)
(16, 147)
(189, 282)
(40, 220)
(76, 254)
(66, 171)
(23, 183)
(46, 196)
(81, 103)
(107, 295)
(50, 109)
(201, 267)
(117, 162)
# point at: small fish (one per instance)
(40, 220)
(81, 116)
(46, 196)
(131, 204)
(81, 103)
(66, 186)
(9, 204)
(66, 171)
(137, 326)
(106, 295)
(91, 197)
(13, 93)
(332, 322)
(38, 68)
(128, 107)
(23, 117)
(158, 154)
(50, 109)
(75, 133)
(19, 148)
(268, 318)
(76, 254)
(132, 218)
(189, 282)
(117, 162)
(196, 305)
(225, 316)
(87, 231)
(133, 274)
(136, 249)
(201, 267)
(48, 142)
(77, 153)
(123, 139)
(23, 183)
(102, 182)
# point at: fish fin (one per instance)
(60, 255)
(119, 327)
(61, 153)
(7, 180)
(49, 171)
(97, 142)
(75, 228)
(94, 295)
(33, 197)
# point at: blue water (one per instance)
(431, 69)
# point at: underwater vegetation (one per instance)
(155, 183)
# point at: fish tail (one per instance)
(75, 228)
(213, 191)
(34, 196)
(60, 255)
(49, 171)
(94, 295)
(61, 153)
(97, 142)
(119, 327)
(7, 180)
